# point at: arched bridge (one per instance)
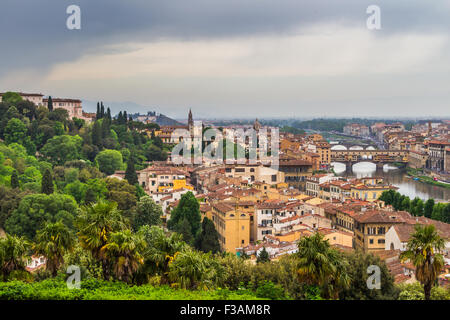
(379, 157)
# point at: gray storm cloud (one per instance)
(35, 40)
(33, 32)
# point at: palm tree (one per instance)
(125, 250)
(53, 241)
(13, 254)
(424, 251)
(191, 269)
(96, 223)
(160, 251)
(320, 265)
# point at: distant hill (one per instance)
(163, 120)
(160, 119)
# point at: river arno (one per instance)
(396, 177)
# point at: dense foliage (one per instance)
(417, 207)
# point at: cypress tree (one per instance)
(97, 134)
(120, 118)
(47, 182)
(105, 128)
(263, 256)
(14, 180)
(130, 173)
(108, 114)
(50, 104)
(102, 110)
(97, 116)
(208, 239)
(184, 228)
(125, 117)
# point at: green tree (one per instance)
(47, 182)
(50, 103)
(13, 254)
(147, 212)
(192, 269)
(208, 239)
(130, 173)
(424, 251)
(14, 180)
(60, 149)
(428, 208)
(125, 250)
(109, 161)
(319, 264)
(263, 256)
(121, 192)
(11, 98)
(153, 153)
(9, 201)
(183, 227)
(188, 209)
(77, 190)
(96, 134)
(96, 223)
(438, 211)
(15, 131)
(35, 210)
(53, 241)
(358, 263)
(160, 251)
(446, 213)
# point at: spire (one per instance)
(256, 125)
(190, 119)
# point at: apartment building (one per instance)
(356, 129)
(232, 225)
(156, 179)
(436, 154)
(295, 171)
(73, 106)
(254, 173)
(371, 226)
(36, 98)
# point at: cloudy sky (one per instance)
(233, 58)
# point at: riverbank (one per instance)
(419, 174)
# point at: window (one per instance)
(239, 170)
(371, 241)
(252, 169)
(274, 178)
(381, 241)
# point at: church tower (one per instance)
(190, 119)
(256, 125)
(190, 123)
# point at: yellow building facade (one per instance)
(233, 226)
